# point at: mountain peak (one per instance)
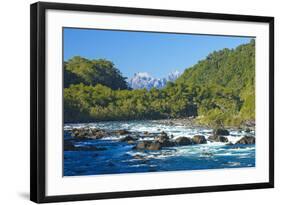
(142, 74)
(142, 80)
(173, 75)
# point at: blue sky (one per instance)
(155, 53)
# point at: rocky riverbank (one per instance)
(151, 141)
(248, 125)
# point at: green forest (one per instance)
(217, 91)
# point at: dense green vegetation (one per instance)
(93, 72)
(219, 90)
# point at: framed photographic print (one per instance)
(129, 102)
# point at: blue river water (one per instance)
(113, 156)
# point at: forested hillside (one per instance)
(219, 90)
(92, 72)
(225, 81)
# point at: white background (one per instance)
(56, 185)
(14, 108)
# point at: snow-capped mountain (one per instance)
(173, 76)
(144, 80)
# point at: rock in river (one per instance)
(154, 146)
(216, 138)
(80, 132)
(167, 143)
(89, 133)
(246, 140)
(148, 145)
(199, 139)
(181, 141)
(98, 134)
(162, 138)
(142, 145)
(127, 139)
(121, 132)
(220, 131)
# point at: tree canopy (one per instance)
(93, 72)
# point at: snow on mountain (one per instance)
(144, 80)
(173, 76)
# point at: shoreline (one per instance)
(186, 121)
(192, 122)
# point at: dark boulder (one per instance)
(246, 140)
(207, 154)
(182, 141)
(98, 134)
(95, 130)
(163, 134)
(220, 131)
(148, 145)
(131, 142)
(88, 133)
(216, 138)
(80, 132)
(168, 143)
(154, 146)
(121, 132)
(142, 145)
(229, 144)
(127, 139)
(74, 132)
(162, 138)
(199, 139)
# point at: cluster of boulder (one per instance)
(95, 133)
(247, 140)
(219, 136)
(163, 140)
(159, 140)
(89, 133)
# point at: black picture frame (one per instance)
(38, 101)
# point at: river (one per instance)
(114, 156)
